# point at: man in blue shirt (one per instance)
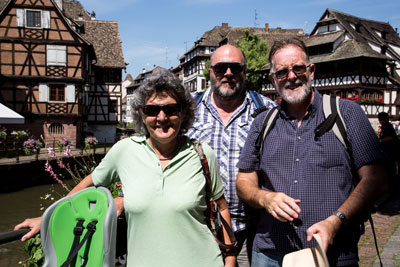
(307, 181)
(223, 121)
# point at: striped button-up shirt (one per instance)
(227, 141)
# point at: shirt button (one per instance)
(295, 181)
(299, 137)
(295, 227)
(297, 160)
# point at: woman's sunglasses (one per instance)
(154, 110)
(222, 67)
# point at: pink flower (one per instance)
(51, 153)
(49, 169)
(67, 152)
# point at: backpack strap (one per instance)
(198, 97)
(257, 99)
(333, 120)
(227, 249)
(268, 124)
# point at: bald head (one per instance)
(228, 53)
(228, 78)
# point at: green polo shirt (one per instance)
(164, 208)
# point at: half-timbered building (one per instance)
(57, 70)
(194, 61)
(356, 59)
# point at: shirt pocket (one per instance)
(204, 131)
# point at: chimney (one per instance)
(266, 27)
(143, 70)
(224, 25)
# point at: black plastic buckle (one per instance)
(78, 230)
(91, 226)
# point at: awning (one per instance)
(9, 116)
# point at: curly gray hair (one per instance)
(158, 82)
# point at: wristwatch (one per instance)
(341, 216)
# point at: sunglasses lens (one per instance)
(300, 69)
(171, 109)
(236, 68)
(282, 73)
(154, 110)
(222, 67)
(151, 110)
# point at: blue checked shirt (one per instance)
(315, 170)
(227, 141)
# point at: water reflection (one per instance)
(15, 207)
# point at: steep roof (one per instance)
(348, 49)
(104, 36)
(75, 11)
(218, 34)
(362, 30)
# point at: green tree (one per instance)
(256, 51)
(206, 71)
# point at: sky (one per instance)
(156, 32)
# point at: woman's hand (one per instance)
(33, 224)
(230, 261)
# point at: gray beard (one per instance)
(307, 89)
(230, 95)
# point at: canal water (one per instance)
(17, 206)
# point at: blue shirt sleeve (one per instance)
(364, 142)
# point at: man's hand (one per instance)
(281, 206)
(33, 224)
(119, 204)
(327, 229)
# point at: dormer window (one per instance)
(33, 18)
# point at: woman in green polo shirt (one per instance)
(162, 181)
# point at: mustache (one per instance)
(293, 83)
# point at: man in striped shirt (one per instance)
(223, 121)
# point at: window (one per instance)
(113, 106)
(56, 128)
(56, 55)
(33, 18)
(57, 92)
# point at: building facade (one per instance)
(54, 71)
(356, 59)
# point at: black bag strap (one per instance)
(76, 245)
(230, 249)
(268, 124)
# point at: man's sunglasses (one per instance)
(222, 67)
(297, 69)
(154, 110)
